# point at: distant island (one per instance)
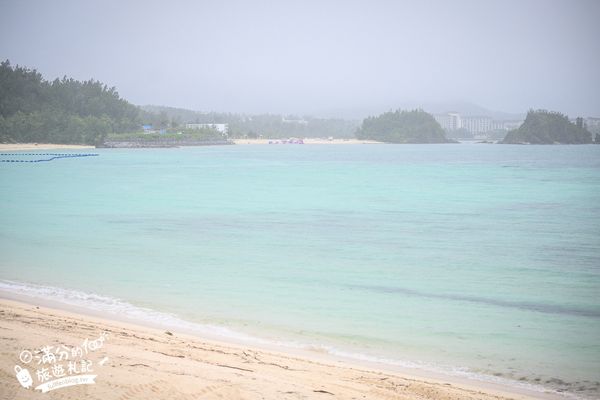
(403, 126)
(548, 127)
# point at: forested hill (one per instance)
(253, 125)
(547, 127)
(401, 126)
(33, 109)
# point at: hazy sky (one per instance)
(318, 56)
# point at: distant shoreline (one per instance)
(41, 146)
(168, 143)
(6, 147)
(307, 141)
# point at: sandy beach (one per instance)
(136, 362)
(307, 141)
(41, 146)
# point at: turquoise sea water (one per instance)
(478, 260)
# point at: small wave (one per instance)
(123, 309)
(117, 307)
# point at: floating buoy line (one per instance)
(50, 156)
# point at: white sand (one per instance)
(146, 363)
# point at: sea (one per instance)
(473, 260)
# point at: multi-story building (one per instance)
(443, 120)
(449, 121)
(497, 125)
(477, 124)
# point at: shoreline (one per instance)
(305, 141)
(8, 147)
(41, 146)
(319, 367)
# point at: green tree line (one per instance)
(65, 110)
(273, 126)
(402, 126)
(548, 127)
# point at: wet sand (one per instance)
(139, 362)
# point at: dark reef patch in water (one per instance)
(522, 305)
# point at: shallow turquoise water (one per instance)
(473, 259)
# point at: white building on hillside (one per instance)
(223, 128)
(294, 121)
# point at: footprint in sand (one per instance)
(160, 390)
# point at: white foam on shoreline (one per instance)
(116, 307)
(123, 310)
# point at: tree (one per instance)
(401, 126)
(62, 111)
(548, 127)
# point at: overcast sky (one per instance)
(318, 56)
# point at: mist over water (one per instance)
(333, 58)
(471, 259)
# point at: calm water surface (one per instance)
(479, 260)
